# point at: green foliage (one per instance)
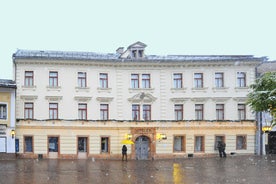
(263, 94)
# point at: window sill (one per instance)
(178, 90)
(199, 89)
(28, 88)
(220, 89)
(108, 90)
(135, 90)
(53, 88)
(81, 89)
(241, 88)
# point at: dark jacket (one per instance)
(124, 149)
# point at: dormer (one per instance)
(135, 51)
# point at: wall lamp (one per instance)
(12, 133)
(266, 129)
(128, 136)
(161, 136)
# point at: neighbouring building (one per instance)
(7, 118)
(266, 140)
(84, 104)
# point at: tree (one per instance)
(263, 95)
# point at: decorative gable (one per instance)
(134, 51)
(142, 98)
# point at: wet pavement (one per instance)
(233, 169)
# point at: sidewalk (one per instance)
(233, 169)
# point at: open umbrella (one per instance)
(126, 141)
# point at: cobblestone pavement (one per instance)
(233, 169)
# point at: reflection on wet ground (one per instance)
(236, 169)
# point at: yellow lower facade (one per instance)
(61, 139)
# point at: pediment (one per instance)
(137, 45)
(142, 98)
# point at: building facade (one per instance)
(84, 104)
(7, 117)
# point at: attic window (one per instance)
(137, 53)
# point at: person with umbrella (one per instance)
(124, 152)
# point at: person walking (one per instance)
(221, 147)
(124, 152)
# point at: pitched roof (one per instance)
(7, 83)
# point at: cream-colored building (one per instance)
(7, 118)
(84, 104)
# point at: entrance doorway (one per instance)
(82, 147)
(142, 148)
(53, 147)
(272, 143)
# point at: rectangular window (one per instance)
(178, 111)
(241, 79)
(103, 80)
(53, 79)
(29, 78)
(219, 80)
(198, 111)
(220, 111)
(177, 80)
(82, 144)
(217, 139)
(53, 144)
(3, 111)
(104, 111)
(135, 112)
(104, 144)
(241, 142)
(179, 143)
(241, 112)
(81, 79)
(145, 80)
(28, 144)
(134, 80)
(199, 143)
(146, 112)
(29, 110)
(53, 111)
(198, 80)
(82, 111)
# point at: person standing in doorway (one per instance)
(221, 147)
(124, 152)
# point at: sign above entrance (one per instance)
(144, 130)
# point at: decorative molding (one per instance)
(82, 98)
(142, 98)
(179, 100)
(203, 99)
(53, 88)
(28, 97)
(104, 99)
(220, 89)
(204, 89)
(178, 90)
(240, 99)
(53, 98)
(28, 88)
(135, 90)
(108, 90)
(82, 89)
(220, 99)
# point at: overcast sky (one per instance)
(187, 27)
